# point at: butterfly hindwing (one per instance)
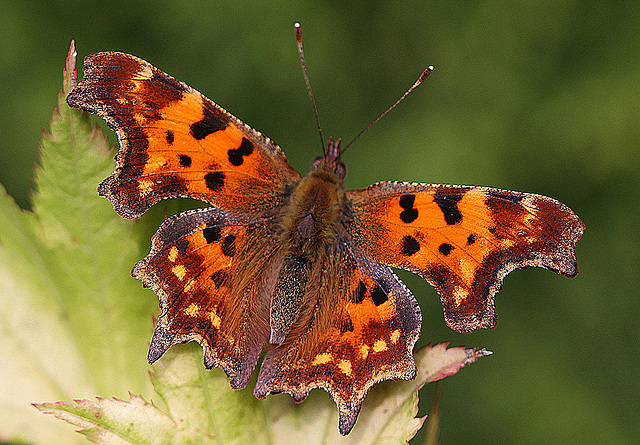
(210, 270)
(176, 142)
(463, 240)
(359, 331)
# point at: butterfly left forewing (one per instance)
(358, 328)
(176, 142)
(463, 240)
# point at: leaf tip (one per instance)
(70, 71)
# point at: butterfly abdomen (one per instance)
(288, 296)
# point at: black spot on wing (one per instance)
(445, 248)
(359, 292)
(346, 325)
(407, 201)
(471, 239)
(211, 122)
(448, 200)
(185, 161)
(378, 296)
(211, 234)
(183, 245)
(409, 245)
(169, 137)
(409, 214)
(219, 277)
(214, 181)
(236, 155)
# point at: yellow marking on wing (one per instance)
(395, 336)
(192, 310)
(345, 367)
(467, 269)
(215, 318)
(531, 213)
(179, 271)
(189, 285)
(323, 358)
(364, 351)
(505, 243)
(155, 164)
(379, 346)
(145, 187)
(459, 295)
(144, 73)
(173, 254)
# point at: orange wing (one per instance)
(360, 330)
(209, 268)
(463, 240)
(176, 142)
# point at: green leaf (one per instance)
(40, 358)
(200, 399)
(115, 421)
(201, 406)
(432, 429)
(92, 250)
(72, 320)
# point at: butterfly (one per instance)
(296, 268)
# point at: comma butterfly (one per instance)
(295, 262)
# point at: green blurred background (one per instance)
(538, 96)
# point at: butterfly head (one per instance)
(331, 159)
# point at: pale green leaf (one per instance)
(73, 323)
(92, 251)
(200, 399)
(115, 421)
(200, 406)
(40, 359)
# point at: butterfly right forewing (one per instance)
(463, 240)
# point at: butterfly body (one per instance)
(310, 223)
(298, 268)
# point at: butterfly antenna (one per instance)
(421, 79)
(306, 79)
